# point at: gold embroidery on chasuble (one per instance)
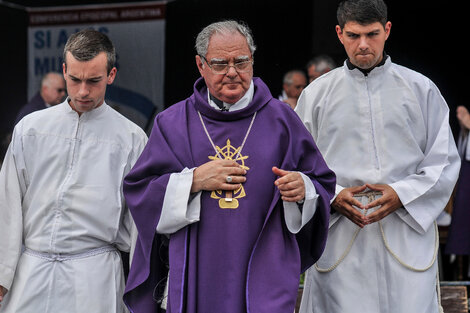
(228, 199)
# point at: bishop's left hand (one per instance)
(290, 184)
(389, 203)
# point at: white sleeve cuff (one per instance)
(296, 218)
(179, 209)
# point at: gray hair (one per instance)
(87, 44)
(288, 76)
(46, 79)
(323, 63)
(223, 27)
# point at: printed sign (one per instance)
(138, 33)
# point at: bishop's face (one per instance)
(226, 48)
(364, 44)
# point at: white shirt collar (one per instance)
(240, 104)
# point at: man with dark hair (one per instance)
(63, 216)
(236, 205)
(384, 130)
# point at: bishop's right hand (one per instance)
(213, 176)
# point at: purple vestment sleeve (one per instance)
(312, 163)
(144, 189)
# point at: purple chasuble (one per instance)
(239, 257)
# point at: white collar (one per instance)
(240, 104)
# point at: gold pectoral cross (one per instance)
(228, 199)
(228, 196)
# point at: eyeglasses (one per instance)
(222, 68)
